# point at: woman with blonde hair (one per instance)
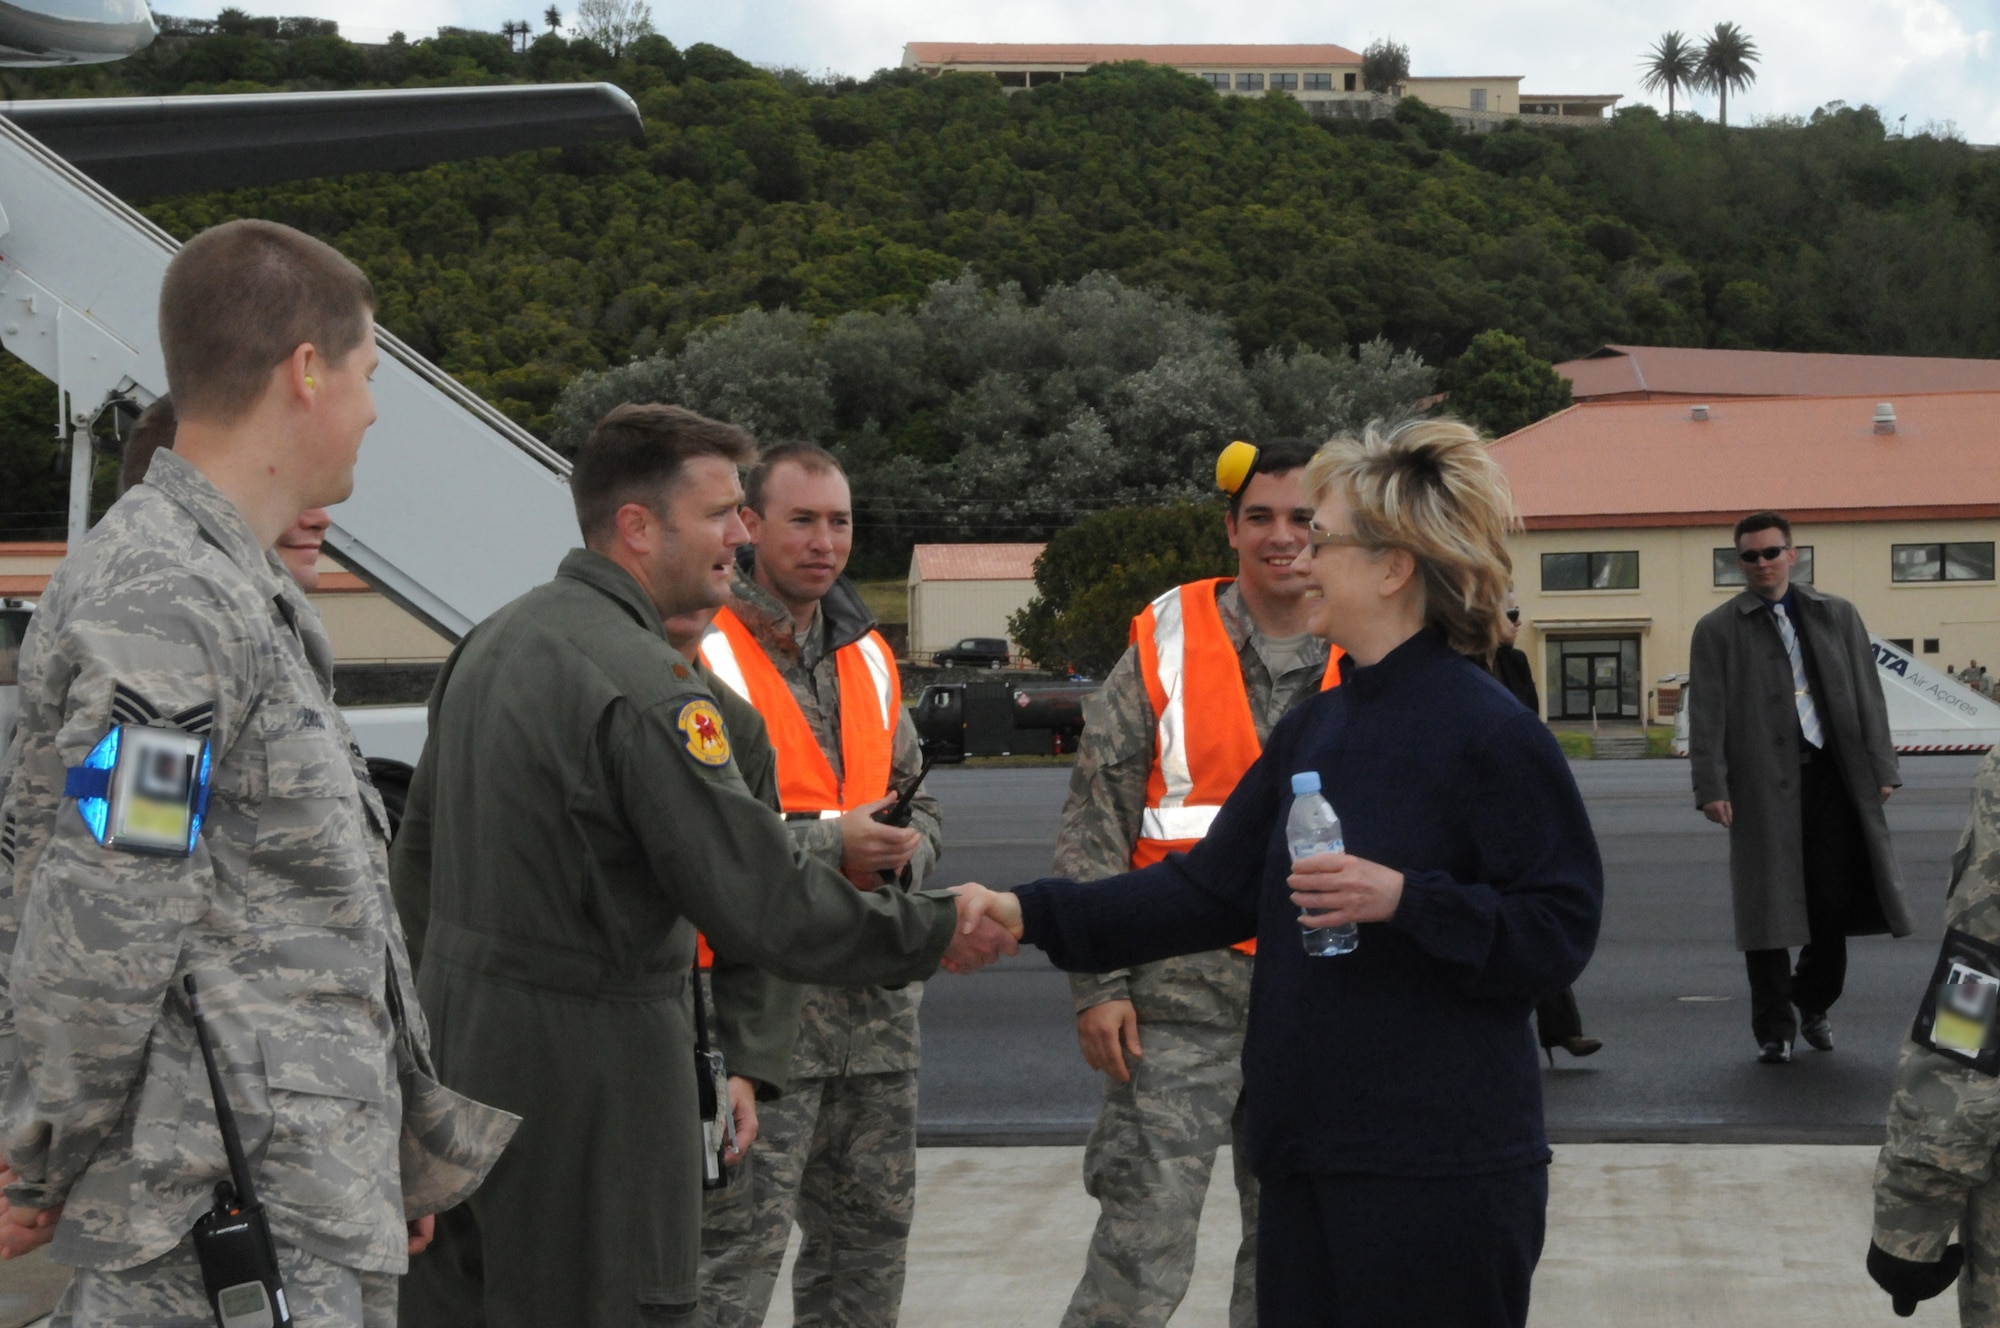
(1395, 1114)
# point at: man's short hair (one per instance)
(1757, 521)
(1277, 457)
(809, 457)
(635, 455)
(153, 430)
(239, 298)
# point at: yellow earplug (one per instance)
(1232, 468)
(309, 380)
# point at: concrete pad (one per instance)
(1640, 1236)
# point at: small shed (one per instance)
(961, 590)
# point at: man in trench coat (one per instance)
(1789, 739)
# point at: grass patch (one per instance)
(889, 601)
(1576, 746)
(1659, 739)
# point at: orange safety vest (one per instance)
(1185, 651)
(871, 704)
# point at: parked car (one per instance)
(975, 652)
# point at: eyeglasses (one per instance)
(1769, 555)
(1318, 539)
(1513, 615)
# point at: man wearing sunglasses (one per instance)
(1789, 739)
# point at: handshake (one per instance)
(989, 925)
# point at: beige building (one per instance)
(1315, 74)
(1895, 505)
(962, 590)
(365, 627)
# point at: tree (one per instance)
(614, 24)
(1500, 387)
(1672, 64)
(1095, 577)
(1385, 65)
(1726, 58)
(553, 18)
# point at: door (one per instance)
(1598, 677)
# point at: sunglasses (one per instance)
(1513, 615)
(1318, 539)
(1769, 555)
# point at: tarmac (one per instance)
(1639, 1236)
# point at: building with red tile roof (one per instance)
(963, 590)
(1895, 502)
(1651, 373)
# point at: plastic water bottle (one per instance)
(1313, 828)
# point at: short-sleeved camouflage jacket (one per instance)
(171, 614)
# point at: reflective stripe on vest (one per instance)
(871, 703)
(1184, 650)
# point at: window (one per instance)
(1249, 82)
(1285, 82)
(1930, 645)
(1590, 571)
(1479, 99)
(1729, 570)
(1012, 78)
(1348, 85)
(1042, 77)
(1906, 644)
(1941, 562)
(1319, 82)
(1220, 82)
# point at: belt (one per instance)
(569, 972)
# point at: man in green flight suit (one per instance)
(576, 815)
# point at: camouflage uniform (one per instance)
(1150, 1157)
(838, 1151)
(1937, 1170)
(170, 614)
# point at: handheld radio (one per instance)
(900, 814)
(232, 1240)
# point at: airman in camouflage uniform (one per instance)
(1153, 1150)
(1937, 1170)
(171, 614)
(838, 1150)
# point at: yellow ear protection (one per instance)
(1233, 467)
(309, 380)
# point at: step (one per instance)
(1618, 746)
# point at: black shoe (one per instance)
(1816, 1029)
(1581, 1045)
(1776, 1053)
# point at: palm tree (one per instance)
(1726, 58)
(553, 17)
(1673, 63)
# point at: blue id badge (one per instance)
(143, 789)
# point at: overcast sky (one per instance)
(1929, 60)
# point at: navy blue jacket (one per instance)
(1412, 1055)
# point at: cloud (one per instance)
(1927, 59)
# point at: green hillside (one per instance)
(769, 190)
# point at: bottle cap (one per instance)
(1306, 781)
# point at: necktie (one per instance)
(1802, 694)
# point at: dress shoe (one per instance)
(1816, 1029)
(1582, 1046)
(1776, 1053)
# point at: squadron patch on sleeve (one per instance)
(700, 724)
